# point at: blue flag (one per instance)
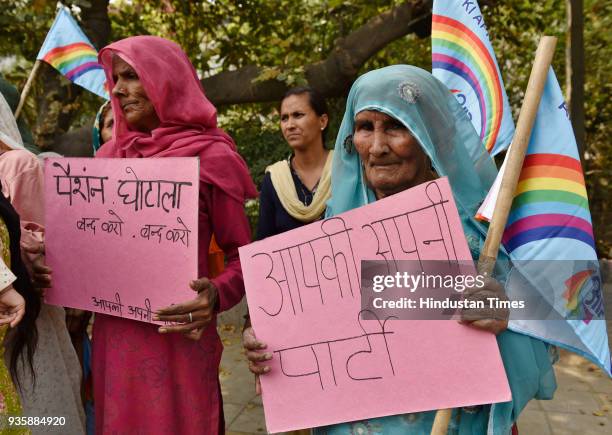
(463, 59)
(549, 237)
(67, 49)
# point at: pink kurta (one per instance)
(21, 178)
(146, 382)
(149, 383)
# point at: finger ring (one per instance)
(190, 318)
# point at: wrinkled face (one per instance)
(106, 127)
(137, 109)
(300, 124)
(392, 158)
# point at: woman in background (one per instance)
(294, 191)
(52, 387)
(103, 126)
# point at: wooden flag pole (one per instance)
(516, 154)
(514, 164)
(26, 88)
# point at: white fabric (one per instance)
(6, 276)
(57, 391)
(9, 132)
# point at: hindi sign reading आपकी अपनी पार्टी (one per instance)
(329, 365)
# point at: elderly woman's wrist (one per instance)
(6, 289)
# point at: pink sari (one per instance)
(145, 382)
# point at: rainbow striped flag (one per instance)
(551, 201)
(67, 49)
(463, 59)
(549, 236)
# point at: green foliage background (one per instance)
(283, 36)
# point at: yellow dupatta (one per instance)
(280, 174)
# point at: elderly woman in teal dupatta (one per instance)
(424, 106)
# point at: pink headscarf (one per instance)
(188, 121)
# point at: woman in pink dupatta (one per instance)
(145, 379)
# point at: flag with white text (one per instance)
(463, 59)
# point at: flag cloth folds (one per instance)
(67, 49)
(463, 59)
(549, 235)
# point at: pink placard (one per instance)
(121, 234)
(329, 366)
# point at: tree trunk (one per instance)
(574, 68)
(331, 76)
(334, 75)
(96, 23)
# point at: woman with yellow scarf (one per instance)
(294, 191)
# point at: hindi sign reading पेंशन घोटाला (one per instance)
(121, 234)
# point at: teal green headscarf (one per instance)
(435, 118)
(97, 127)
